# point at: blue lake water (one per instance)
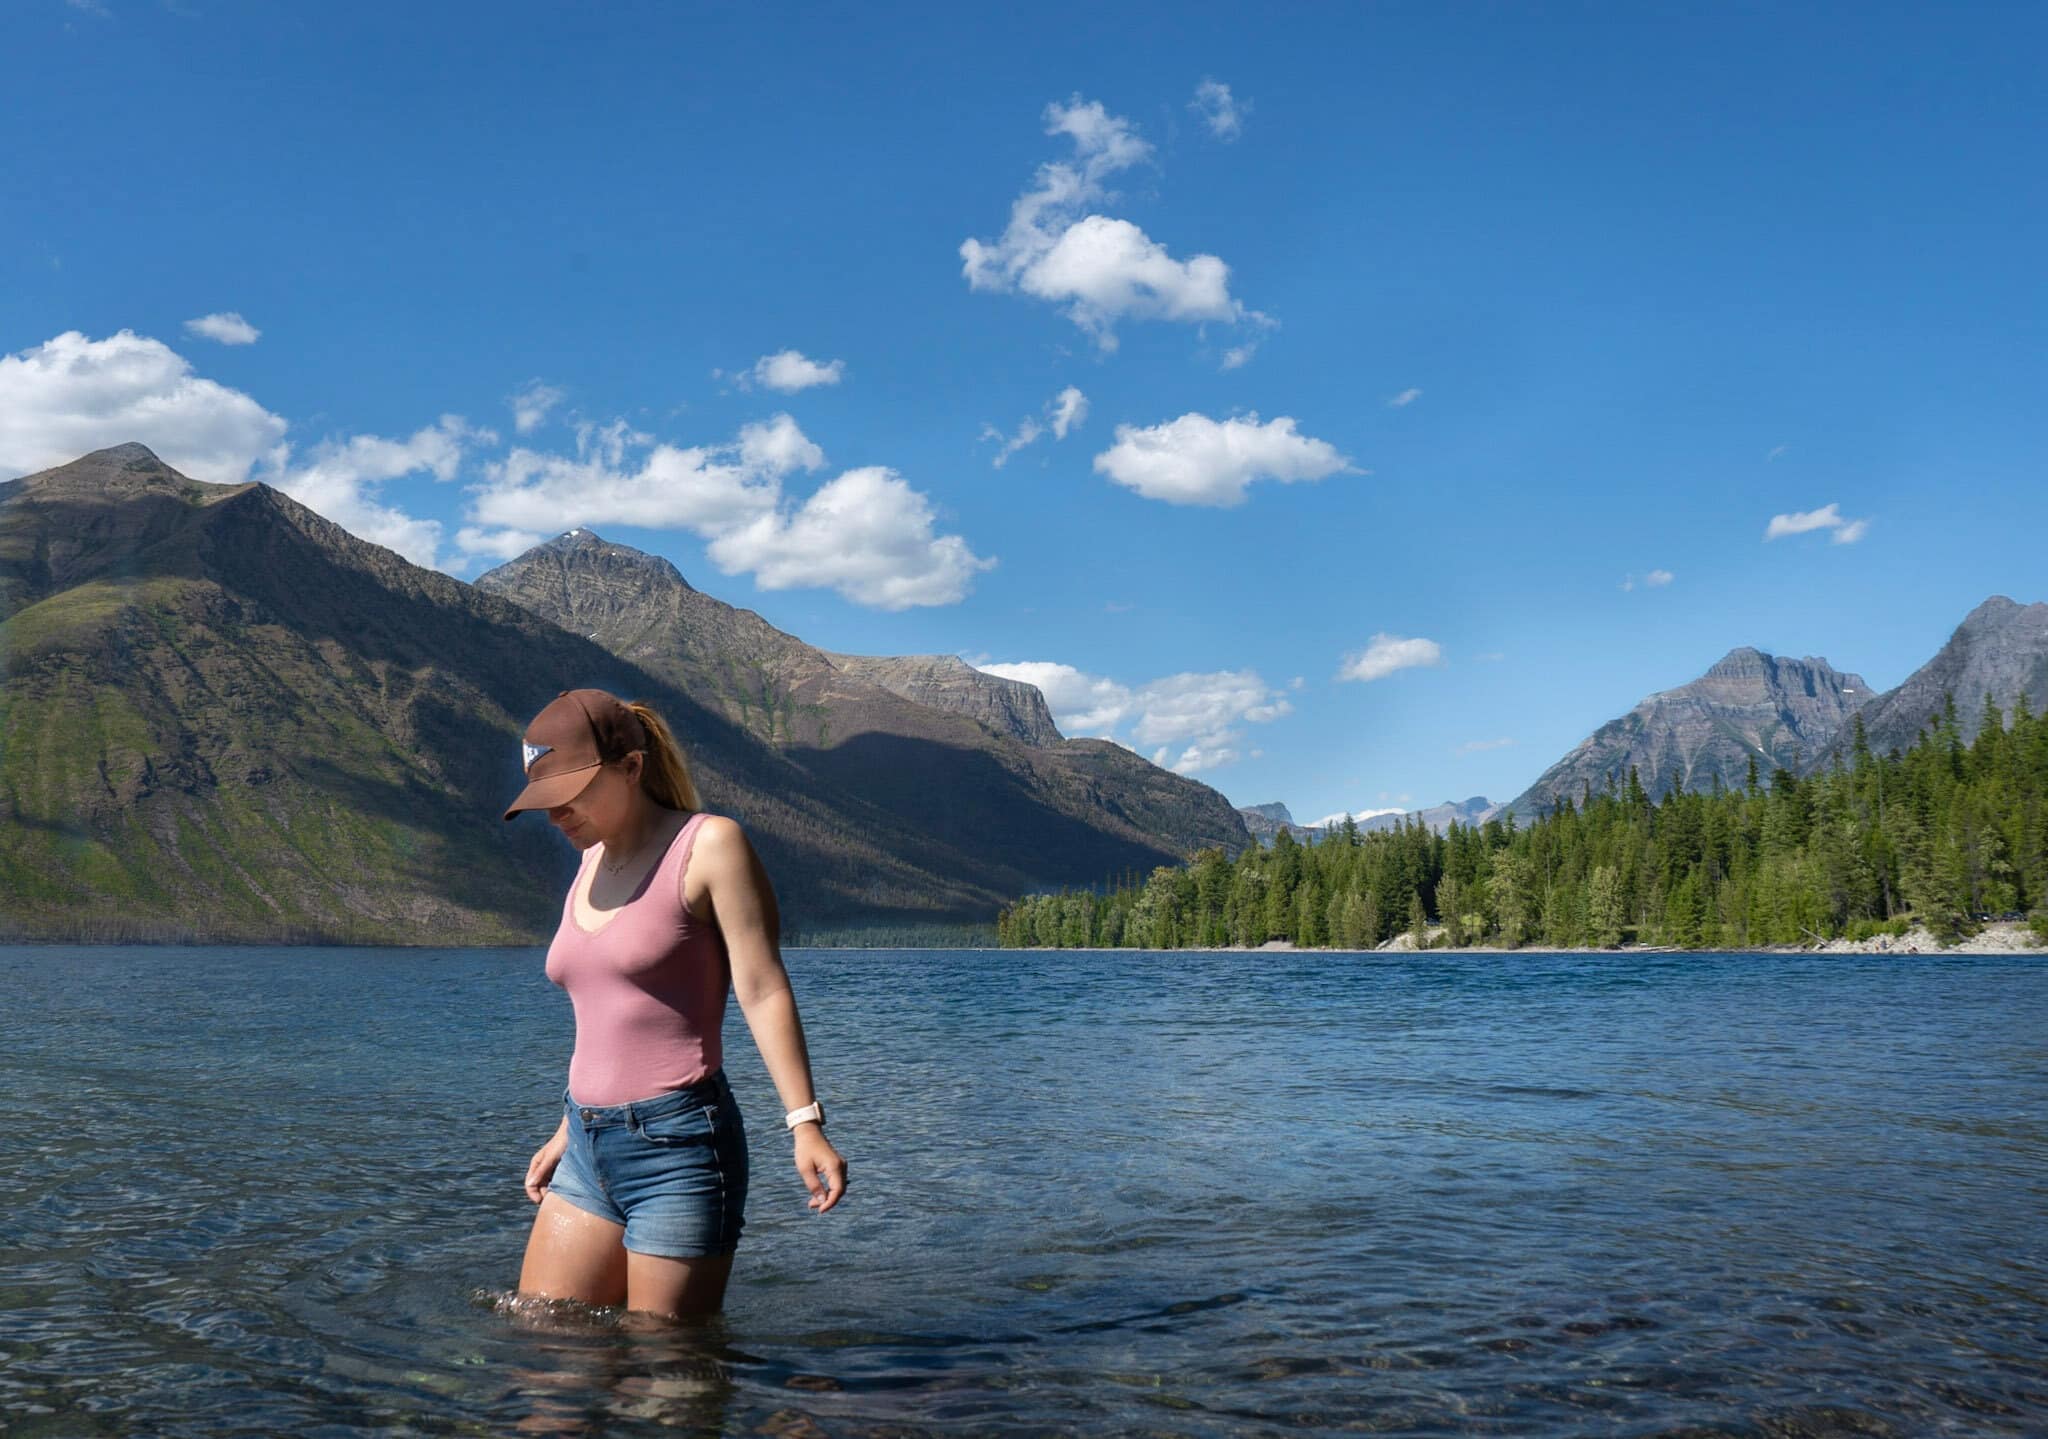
(277, 1192)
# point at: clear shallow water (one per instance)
(277, 1193)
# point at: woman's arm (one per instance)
(743, 903)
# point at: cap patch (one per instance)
(535, 751)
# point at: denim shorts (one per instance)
(671, 1169)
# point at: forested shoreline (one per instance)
(1945, 835)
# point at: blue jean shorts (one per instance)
(672, 1169)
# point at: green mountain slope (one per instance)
(974, 765)
(222, 716)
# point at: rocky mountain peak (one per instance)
(947, 682)
(2000, 649)
(1750, 706)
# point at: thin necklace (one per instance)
(613, 866)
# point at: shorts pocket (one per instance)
(684, 1127)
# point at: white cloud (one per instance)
(531, 403)
(341, 480)
(1403, 400)
(1238, 356)
(866, 534)
(1386, 653)
(1776, 451)
(704, 488)
(1474, 746)
(71, 395)
(1195, 460)
(1223, 113)
(1657, 578)
(1064, 412)
(1069, 409)
(1100, 269)
(1198, 715)
(497, 544)
(789, 371)
(227, 327)
(1827, 517)
(1028, 431)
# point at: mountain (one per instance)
(2000, 649)
(1266, 821)
(981, 769)
(1467, 813)
(947, 682)
(224, 717)
(1778, 712)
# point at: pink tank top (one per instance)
(648, 988)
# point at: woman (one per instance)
(641, 1189)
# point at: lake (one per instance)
(277, 1192)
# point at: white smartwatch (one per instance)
(813, 1110)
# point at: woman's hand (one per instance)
(819, 1166)
(541, 1168)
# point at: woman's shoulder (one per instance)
(716, 833)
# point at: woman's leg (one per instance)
(574, 1254)
(677, 1288)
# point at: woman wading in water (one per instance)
(641, 1190)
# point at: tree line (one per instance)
(1945, 834)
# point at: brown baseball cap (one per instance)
(567, 741)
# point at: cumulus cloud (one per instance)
(71, 395)
(1386, 653)
(1222, 112)
(1189, 722)
(226, 326)
(1100, 269)
(1063, 412)
(866, 534)
(496, 544)
(341, 481)
(1655, 579)
(1403, 400)
(1238, 356)
(531, 404)
(1195, 460)
(789, 371)
(1827, 517)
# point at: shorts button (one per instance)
(586, 1114)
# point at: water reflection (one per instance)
(587, 1371)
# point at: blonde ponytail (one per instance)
(666, 774)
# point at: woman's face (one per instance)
(604, 805)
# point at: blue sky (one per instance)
(1405, 389)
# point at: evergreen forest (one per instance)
(1947, 834)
